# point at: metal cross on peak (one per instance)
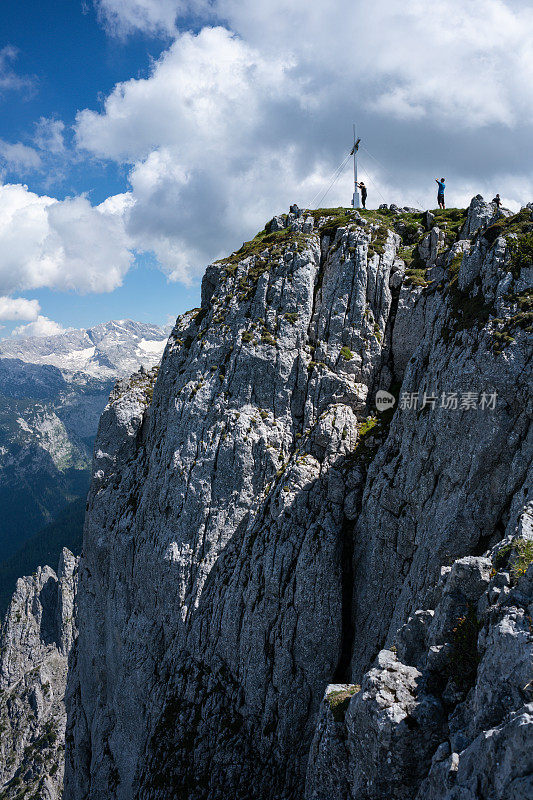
(356, 199)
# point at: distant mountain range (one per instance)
(109, 350)
(52, 393)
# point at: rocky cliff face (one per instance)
(257, 533)
(447, 711)
(36, 640)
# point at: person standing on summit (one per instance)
(440, 192)
(364, 193)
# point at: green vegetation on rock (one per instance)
(451, 220)
(416, 277)
(377, 244)
(339, 701)
(516, 557)
(467, 310)
(267, 338)
(272, 242)
(519, 224)
(291, 317)
(521, 319)
(522, 558)
(521, 251)
(415, 272)
(335, 218)
(410, 230)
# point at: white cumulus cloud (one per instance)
(470, 63)
(122, 17)
(9, 79)
(235, 122)
(232, 125)
(207, 162)
(457, 63)
(42, 326)
(68, 245)
(49, 135)
(14, 308)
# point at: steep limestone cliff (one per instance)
(257, 532)
(36, 640)
(447, 711)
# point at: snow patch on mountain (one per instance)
(153, 347)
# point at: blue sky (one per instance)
(141, 139)
(70, 61)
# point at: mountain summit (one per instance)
(285, 593)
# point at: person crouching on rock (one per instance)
(363, 193)
(440, 192)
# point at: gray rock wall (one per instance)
(255, 533)
(445, 714)
(36, 639)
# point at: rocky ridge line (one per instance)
(256, 533)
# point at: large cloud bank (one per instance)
(235, 123)
(68, 245)
(253, 111)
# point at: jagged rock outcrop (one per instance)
(36, 639)
(256, 532)
(454, 693)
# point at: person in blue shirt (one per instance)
(440, 192)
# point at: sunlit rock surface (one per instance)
(257, 532)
